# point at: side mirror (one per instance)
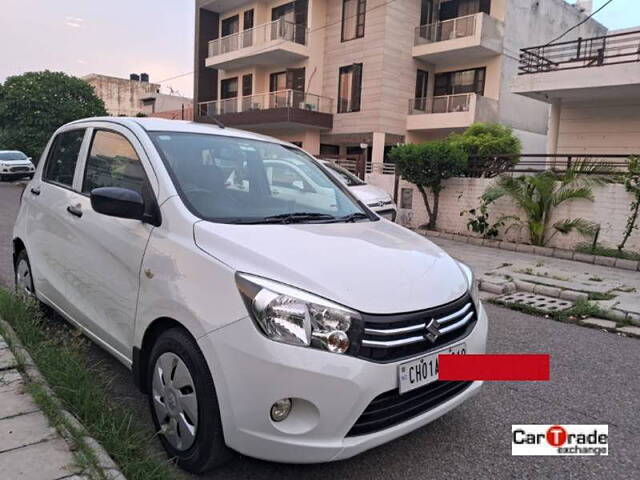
(118, 202)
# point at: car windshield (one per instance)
(12, 156)
(236, 180)
(344, 175)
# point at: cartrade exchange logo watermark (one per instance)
(560, 440)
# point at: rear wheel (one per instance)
(183, 403)
(23, 277)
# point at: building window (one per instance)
(228, 95)
(349, 88)
(248, 20)
(420, 99)
(463, 81)
(229, 88)
(230, 26)
(406, 198)
(353, 15)
(326, 149)
(247, 85)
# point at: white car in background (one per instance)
(15, 164)
(373, 197)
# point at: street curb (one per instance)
(109, 468)
(612, 314)
(622, 264)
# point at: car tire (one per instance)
(22, 275)
(192, 435)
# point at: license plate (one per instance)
(424, 370)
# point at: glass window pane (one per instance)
(63, 157)
(112, 162)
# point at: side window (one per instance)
(62, 159)
(112, 162)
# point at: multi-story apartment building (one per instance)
(338, 75)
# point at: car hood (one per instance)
(370, 194)
(16, 162)
(373, 267)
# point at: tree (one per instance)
(35, 104)
(486, 144)
(632, 185)
(538, 195)
(426, 165)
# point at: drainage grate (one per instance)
(541, 302)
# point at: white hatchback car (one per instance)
(373, 197)
(284, 329)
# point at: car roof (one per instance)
(12, 151)
(151, 124)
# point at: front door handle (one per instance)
(74, 210)
(35, 191)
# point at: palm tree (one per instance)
(538, 195)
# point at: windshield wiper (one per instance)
(297, 217)
(353, 217)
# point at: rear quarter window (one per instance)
(63, 157)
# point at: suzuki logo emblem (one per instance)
(432, 330)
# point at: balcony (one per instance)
(598, 68)
(284, 109)
(277, 43)
(449, 112)
(459, 40)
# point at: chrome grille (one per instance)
(393, 337)
(19, 169)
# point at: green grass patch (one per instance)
(601, 296)
(82, 390)
(607, 252)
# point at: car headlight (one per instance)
(473, 285)
(288, 315)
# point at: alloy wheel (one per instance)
(175, 401)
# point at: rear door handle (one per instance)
(35, 191)
(74, 210)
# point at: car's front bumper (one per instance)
(330, 392)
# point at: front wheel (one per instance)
(183, 403)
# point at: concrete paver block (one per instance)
(548, 291)
(7, 360)
(524, 286)
(598, 322)
(583, 257)
(629, 303)
(573, 296)
(48, 460)
(16, 402)
(492, 243)
(545, 251)
(508, 246)
(24, 430)
(491, 287)
(522, 248)
(562, 253)
(606, 261)
(476, 241)
(633, 331)
(540, 302)
(10, 380)
(627, 264)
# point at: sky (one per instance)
(119, 37)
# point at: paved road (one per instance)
(594, 379)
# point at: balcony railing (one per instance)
(268, 101)
(441, 104)
(280, 29)
(581, 53)
(446, 30)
